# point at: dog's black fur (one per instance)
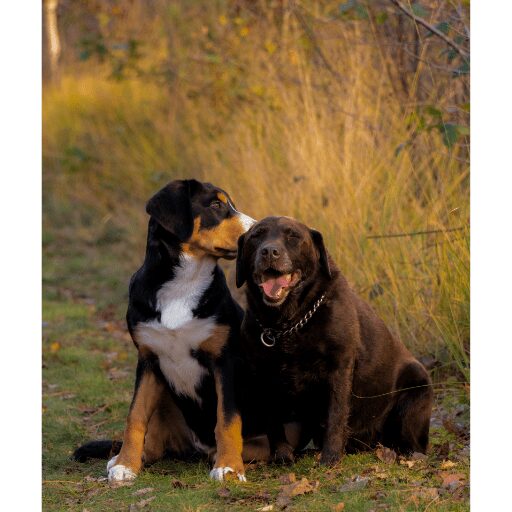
(182, 316)
(342, 375)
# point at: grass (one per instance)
(243, 100)
(88, 376)
(87, 382)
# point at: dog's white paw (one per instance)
(112, 462)
(219, 474)
(120, 473)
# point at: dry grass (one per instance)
(254, 110)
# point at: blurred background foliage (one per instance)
(351, 116)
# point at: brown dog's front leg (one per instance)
(335, 439)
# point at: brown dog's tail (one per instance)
(102, 449)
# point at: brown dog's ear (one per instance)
(318, 240)
(240, 273)
(172, 209)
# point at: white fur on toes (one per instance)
(120, 473)
(112, 462)
(219, 474)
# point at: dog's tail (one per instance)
(101, 449)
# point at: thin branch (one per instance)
(414, 233)
(463, 53)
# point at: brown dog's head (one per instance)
(279, 255)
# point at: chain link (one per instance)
(269, 336)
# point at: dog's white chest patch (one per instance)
(178, 332)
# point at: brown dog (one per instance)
(320, 354)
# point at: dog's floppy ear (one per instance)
(240, 274)
(318, 240)
(172, 209)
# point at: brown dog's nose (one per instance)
(271, 251)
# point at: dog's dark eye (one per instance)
(292, 235)
(215, 204)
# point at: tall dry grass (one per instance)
(253, 109)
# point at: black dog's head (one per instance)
(200, 216)
(279, 255)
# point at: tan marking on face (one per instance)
(222, 197)
(216, 342)
(145, 401)
(228, 435)
(205, 241)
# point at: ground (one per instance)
(88, 373)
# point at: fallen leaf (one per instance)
(224, 492)
(386, 455)
(451, 480)
(266, 508)
(145, 490)
(178, 484)
(338, 507)
(355, 484)
(289, 478)
(418, 456)
(55, 347)
(408, 463)
(447, 464)
(382, 475)
(303, 486)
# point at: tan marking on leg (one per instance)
(228, 435)
(216, 342)
(145, 401)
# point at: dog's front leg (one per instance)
(228, 431)
(335, 439)
(148, 390)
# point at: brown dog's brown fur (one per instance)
(343, 375)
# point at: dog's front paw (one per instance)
(284, 454)
(221, 473)
(330, 457)
(119, 473)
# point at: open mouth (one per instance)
(276, 285)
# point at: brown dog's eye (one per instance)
(215, 204)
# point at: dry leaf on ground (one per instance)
(451, 480)
(289, 478)
(447, 464)
(386, 455)
(338, 507)
(303, 486)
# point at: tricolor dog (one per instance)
(322, 356)
(185, 325)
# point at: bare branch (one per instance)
(414, 233)
(463, 53)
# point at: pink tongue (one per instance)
(272, 287)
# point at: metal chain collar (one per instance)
(269, 335)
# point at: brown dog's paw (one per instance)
(330, 457)
(284, 454)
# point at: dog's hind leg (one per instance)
(407, 426)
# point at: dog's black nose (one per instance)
(271, 251)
